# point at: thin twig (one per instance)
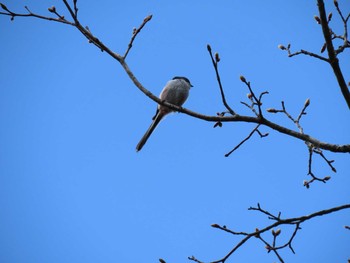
(297, 221)
(135, 33)
(243, 141)
(313, 177)
(253, 98)
(235, 118)
(333, 60)
(271, 248)
(329, 162)
(60, 18)
(215, 64)
(305, 52)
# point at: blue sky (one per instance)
(73, 188)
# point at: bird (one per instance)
(176, 92)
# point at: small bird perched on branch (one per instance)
(176, 92)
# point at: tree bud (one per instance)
(318, 20)
(209, 48)
(271, 110)
(330, 17)
(307, 103)
(52, 9)
(242, 78)
(148, 18)
(217, 58)
(257, 234)
(4, 7)
(276, 233)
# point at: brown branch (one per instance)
(253, 98)
(333, 60)
(246, 139)
(271, 248)
(308, 53)
(311, 148)
(313, 177)
(345, 22)
(135, 32)
(297, 221)
(60, 18)
(297, 120)
(289, 243)
(215, 64)
(259, 120)
(235, 118)
(70, 10)
(328, 34)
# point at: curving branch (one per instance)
(294, 221)
(121, 59)
(333, 53)
(311, 148)
(314, 145)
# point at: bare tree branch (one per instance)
(235, 118)
(314, 146)
(135, 32)
(246, 139)
(215, 64)
(296, 221)
(328, 34)
(333, 60)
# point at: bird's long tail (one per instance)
(151, 128)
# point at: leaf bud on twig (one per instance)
(327, 178)
(4, 7)
(257, 234)
(162, 260)
(242, 78)
(268, 247)
(282, 47)
(148, 18)
(215, 226)
(209, 48)
(52, 9)
(330, 17)
(323, 47)
(218, 124)
(307, 103)
(318, 20)
(217, 58)
(271, 110)
(336, 3)
(276, 233)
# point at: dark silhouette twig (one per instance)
(296, 221)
